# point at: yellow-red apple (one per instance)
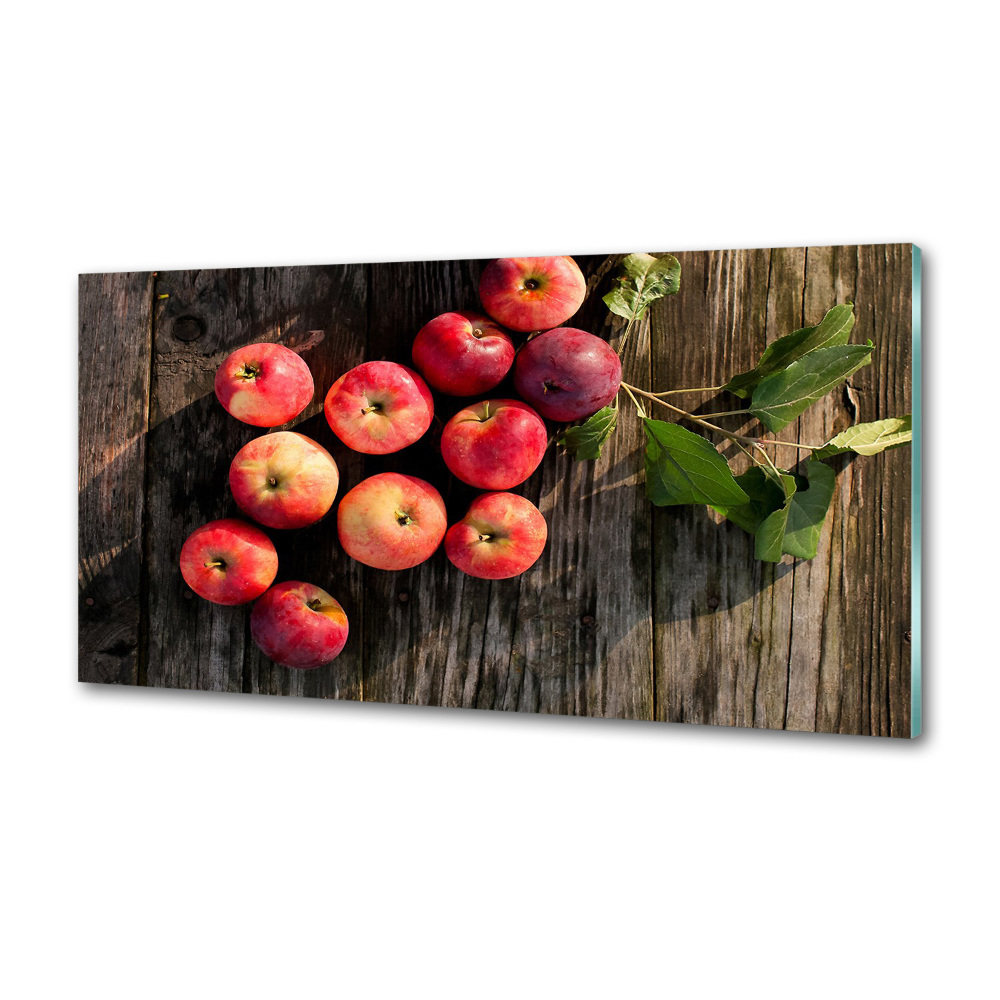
(532, 293)
(284, 480)
(228, 561)
(379, 407)
(298, 625)
(391, 521)
(264, 384)
(495, 444)
(501, 536)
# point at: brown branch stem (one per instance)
(754, 442)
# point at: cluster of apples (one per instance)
(392, 521)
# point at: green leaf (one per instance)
(765, 496)
(642, 280)
(833, 330)
(869, 439)
(794, 525)
(682, 467)
(584, 441)
(781, 397)
(771, 533)
(786, 519)
(807, 511)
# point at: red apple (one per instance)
(379, 407)
(567, 373)
(228, 561)
(463, 353)
(264, 384)
(391, 521)
(532, 293)
(284, 480)
(501, 536)
(298, 625)
(495, 444)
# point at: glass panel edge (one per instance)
(916, 648)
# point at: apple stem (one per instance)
(365, 410)
(218, 562)
(485, 538)
(403, 518)
(314, 604)
(486, 410)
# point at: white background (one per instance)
(168, 844)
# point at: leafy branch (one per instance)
(642, 280)
(782, 509)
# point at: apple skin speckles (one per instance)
(500, 537)
(532, 293)
(463, 353)
(391, 521)
(299, 625)
(495, 444)
(265, 385)
(284, 480)
(228, 561)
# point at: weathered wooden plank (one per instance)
(444, 637)
(799, 645)
(814, 642)
(573, 634)
(585, 618)
(207, 314)
(865, 687)
(114, 353)
(705, 579)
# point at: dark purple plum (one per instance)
(566, 374)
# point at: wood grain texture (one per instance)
(557, 639)
(114, 351)
(631, 612)
(203, 316)
(808, 645)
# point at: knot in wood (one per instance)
(188, 328)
